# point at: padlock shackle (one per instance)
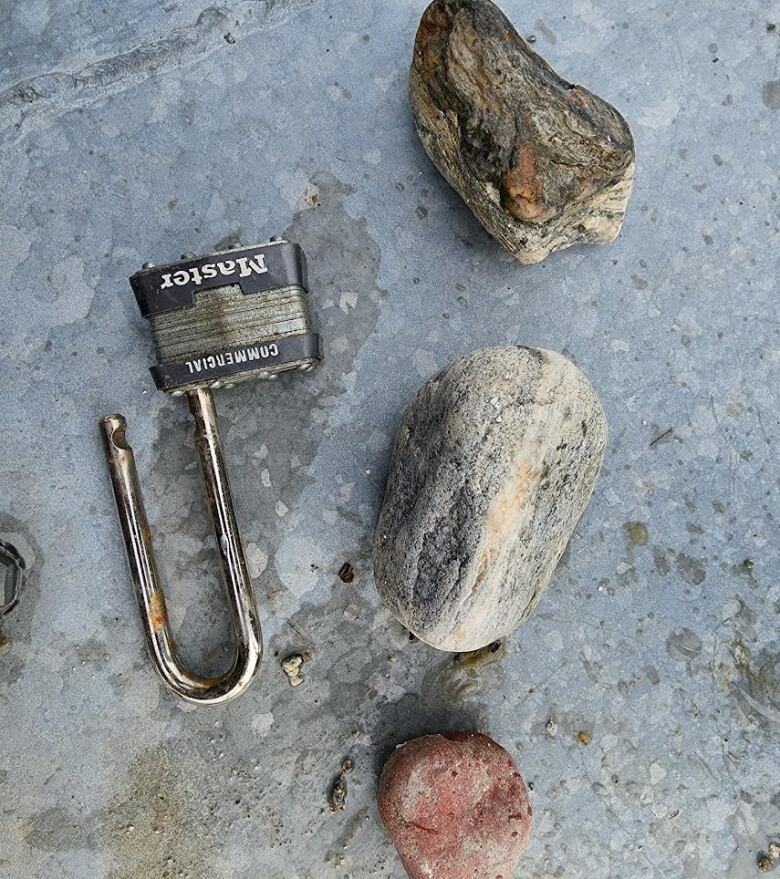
(140, 556)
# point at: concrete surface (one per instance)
(137, 131)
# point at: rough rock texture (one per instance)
(493, 464)
(455, 807)
(542, 163)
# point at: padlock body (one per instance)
(229, 317)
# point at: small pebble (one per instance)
(552, 727)
(291, 666)
(584, 738)
(346, 573)
(774, 850)
(338, 794)
(764, 863)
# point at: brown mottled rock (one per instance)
(542, 163)
(455, 807)
(494, 461)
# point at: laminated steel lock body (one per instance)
(215, 321)
(230, 317)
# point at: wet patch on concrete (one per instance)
(460, 677)
(160, 824)
(55, 829)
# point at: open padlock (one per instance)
(215, 320)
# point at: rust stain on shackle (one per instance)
(216, 320)
(158, 610)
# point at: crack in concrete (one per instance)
(31, 102)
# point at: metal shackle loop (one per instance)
(140, 556)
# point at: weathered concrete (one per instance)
(303, 125)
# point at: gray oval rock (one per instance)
(541, 162)
(493, 464)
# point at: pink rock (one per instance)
(455, 807)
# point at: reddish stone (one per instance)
(455, 807)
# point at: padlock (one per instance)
(215, 321)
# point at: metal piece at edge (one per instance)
(140, 556)
(12, 567)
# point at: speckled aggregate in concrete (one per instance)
(137, 131)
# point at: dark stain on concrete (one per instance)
(661, 561)
(637, 533)
(547, 32)
(56, 829)
(160, 824)
(93, 652)
(757, 685)
(692, 569)
(683, 644)
(770, 94)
